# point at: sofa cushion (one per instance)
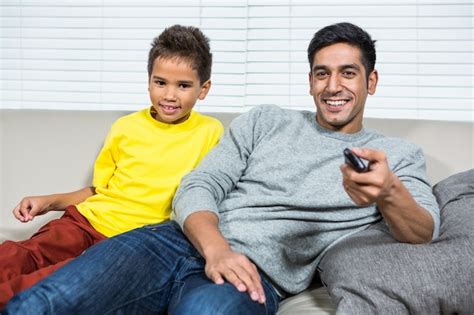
(454, 187)
(314, 301)
(370, 272)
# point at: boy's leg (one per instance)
(133, 272)
(22, 282)
(198, 295)
(56, 241)
(24, 263)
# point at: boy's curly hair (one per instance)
(183, 42)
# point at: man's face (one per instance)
(338, 84)
(174, 88)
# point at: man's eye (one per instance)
(321, 74)
(349, 74)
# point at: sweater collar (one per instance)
(350, 137)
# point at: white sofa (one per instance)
(53, 151)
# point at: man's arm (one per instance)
(29, 207)
(222, 263)
(195, 205)
(407, 220)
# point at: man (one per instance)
(263, 207)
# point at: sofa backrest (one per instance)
(49, 151)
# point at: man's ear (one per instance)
(372, 84)
(310, 79)
(204, 90)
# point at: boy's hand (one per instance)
(238, 270)
(29, 207)
(372, 186)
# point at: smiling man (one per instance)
(253, 221)
(339, 83)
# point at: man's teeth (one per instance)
(336, 103)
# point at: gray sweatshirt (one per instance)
(275, 184)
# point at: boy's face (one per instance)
(174, 88)
(338, 84)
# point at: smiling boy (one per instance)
(136, 173)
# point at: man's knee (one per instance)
(217, 299)
(29, 302)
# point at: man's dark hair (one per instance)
(344, 33)
(184, 42)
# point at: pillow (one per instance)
(370, 272)
(454, 187)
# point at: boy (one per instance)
(137, 172)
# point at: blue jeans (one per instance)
(151, 270)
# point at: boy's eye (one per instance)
(159, 82)
(184, 85)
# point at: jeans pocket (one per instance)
(318, 277)
(155, 226)
(272, 297)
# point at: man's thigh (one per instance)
(118, 273)
(199, 295)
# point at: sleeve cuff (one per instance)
(194, 200)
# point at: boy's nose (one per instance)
(170, 94)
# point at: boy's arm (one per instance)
(31, 206)
(104, 168)
(408, 221)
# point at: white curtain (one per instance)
(92, 54)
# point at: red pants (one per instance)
(24, 263)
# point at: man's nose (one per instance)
(334, 85)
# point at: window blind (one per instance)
(91, 55)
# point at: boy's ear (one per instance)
(204, 89)
(372, 84)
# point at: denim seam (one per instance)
(273, 296)
(136, 299)
(177, 271)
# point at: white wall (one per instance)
(91, 54)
